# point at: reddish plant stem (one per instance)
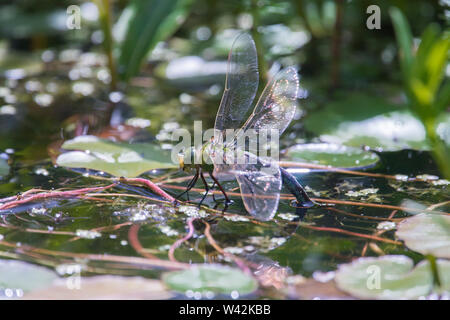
(150, 185)
(152, 263)
(240, 263)
(133, 237)
(177, 243)
(351, 233)
(52, 194)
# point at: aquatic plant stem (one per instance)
(336, 46)
(105, 17)
(51, 194)
(177, 243)
(150, 185)
(240, 263)
(440, 151)
(258, 43)
(434, 270)
(136, 244)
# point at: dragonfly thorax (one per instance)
(193, 158)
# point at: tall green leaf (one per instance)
(148, 22)
(404, 37)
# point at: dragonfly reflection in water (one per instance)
(260, 178)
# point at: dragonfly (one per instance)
(260, 178)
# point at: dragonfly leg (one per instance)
(227, 200)
(206, 188)
(190, 185)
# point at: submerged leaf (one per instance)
(331, 154)
(427, 233)
(390, 277)
(211, 278)
(118, 159)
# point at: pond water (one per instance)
(65, 99)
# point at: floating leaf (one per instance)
(331, 154)
(390, 277)
(4, 168)
(118, 159)
(361, 120)
(427, 233)
(215, 278)
(102, 288)
(18, 275)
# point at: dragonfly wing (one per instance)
(260, 183)
(276, 106)
(241, 84)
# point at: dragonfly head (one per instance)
(186, 159)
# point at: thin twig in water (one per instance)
(177, 243)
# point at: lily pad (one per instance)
(427, 233)
(101, 288)
(18, 275)
(331, 154)
(4, 168)
(210, 278)
(118, 159)
(390, 277)
(361, 120)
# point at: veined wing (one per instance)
(241, 84)
(260, 179)
(276, 106)
(260, 183)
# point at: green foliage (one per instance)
(424, 79)
(390, 277)
(26, 276)
(331, 155)
(427, 233)
(147, 22)
(118, 159)
(215, 278)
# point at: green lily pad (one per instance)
(427, 233)
(390, 277)
(207, 278)
(18, 275)
(118, 159)
(331, 154)
(361, 120)
(4, 168)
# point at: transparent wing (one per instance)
(241, 84)
(276, 106)
(260, 183)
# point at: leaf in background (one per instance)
(4, 168)
(118, 159)
(149, 22)
(404, 39)
(215, 278)
(398, 278)
(426, 233)
(25, 276)
(331, 155)
(104, 288)
(359, 120)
